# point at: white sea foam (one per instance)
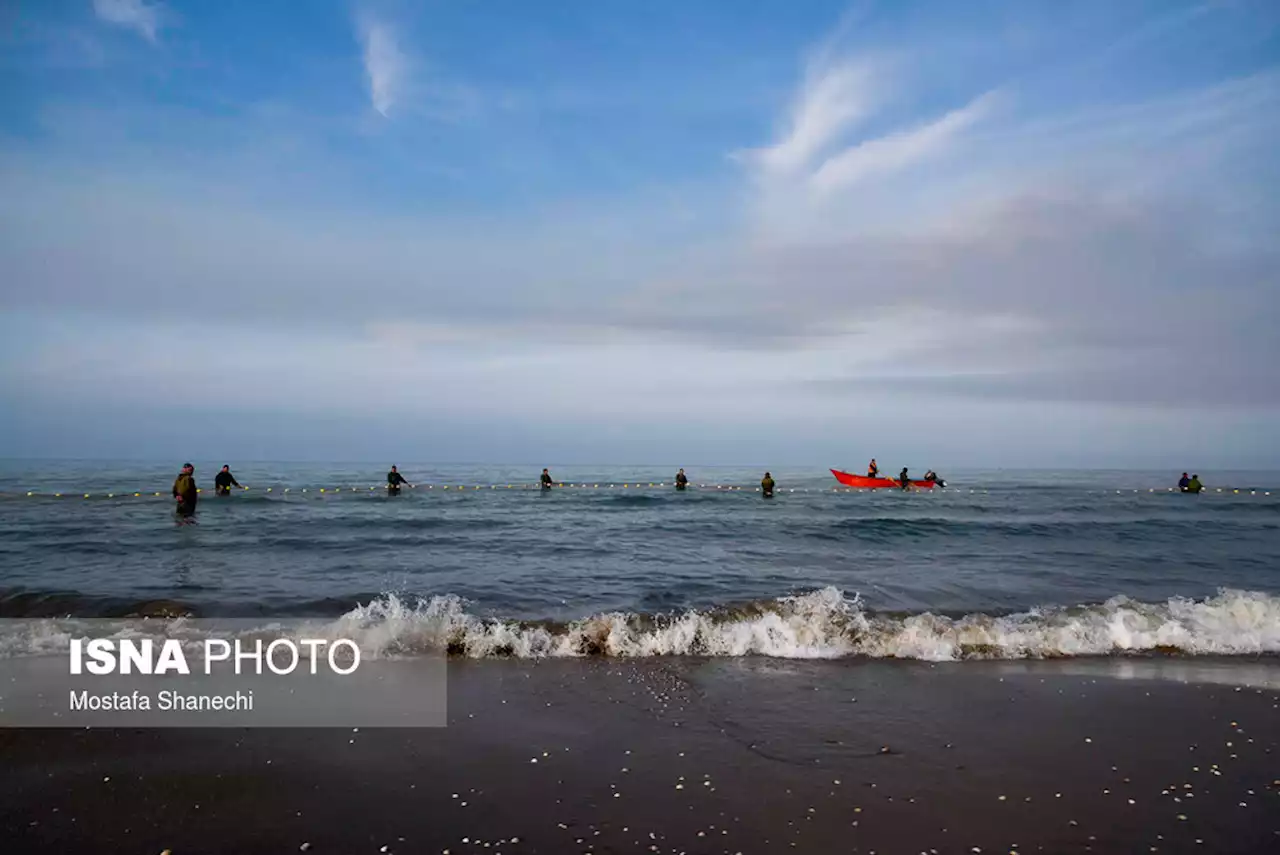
(824, 624)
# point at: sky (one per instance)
(1024, 234)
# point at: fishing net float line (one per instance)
(463, 488)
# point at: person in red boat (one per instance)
(872, 469)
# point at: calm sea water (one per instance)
(497, 569)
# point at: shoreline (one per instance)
(750, 755)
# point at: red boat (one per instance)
(865, 483)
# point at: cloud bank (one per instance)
(901, 243)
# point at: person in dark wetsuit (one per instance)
(546, 480)
(766, 485)
(681, 480)
(904, 480)
(932, 478)
(394, 480)
(1183, 482)
(872, 469)
(223, 481)
(184, 491)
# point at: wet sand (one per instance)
(727, 756)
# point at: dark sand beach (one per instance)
(700, 756)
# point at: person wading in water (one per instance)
(184, 492)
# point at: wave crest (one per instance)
(825, 624)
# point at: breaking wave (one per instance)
(823, 624)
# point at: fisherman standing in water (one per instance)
(681, 480)
(904, 480)
(1183, 482)
(394, 480)
(546, 480)
(766, 485)
(184, 491)
(223, 480)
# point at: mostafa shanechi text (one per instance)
(164, 701)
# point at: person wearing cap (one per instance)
(223, 480)
(184, 491)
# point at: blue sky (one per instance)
(1029, 234)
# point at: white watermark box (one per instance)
(183, 672)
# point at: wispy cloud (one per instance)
(385, 65)
(133, 14)
(898, 150)
(836, 94)
(830, 102)
(821, 152)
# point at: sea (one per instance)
(477, 561)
